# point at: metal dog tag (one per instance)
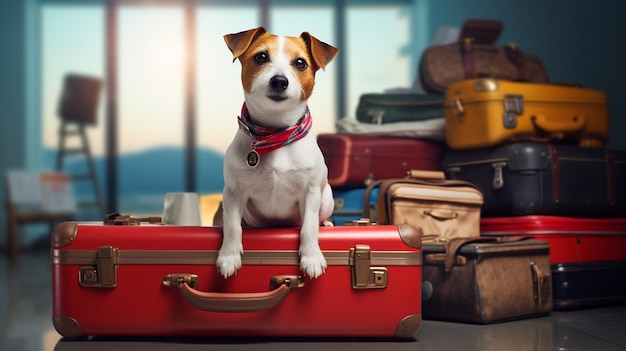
(253, 158)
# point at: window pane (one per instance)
(220, 95)
(377, 40)
(72, 39)
(150, 106)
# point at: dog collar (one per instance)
(265, 140)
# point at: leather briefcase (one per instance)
(475, 55)
(486, 280)
(442, 209)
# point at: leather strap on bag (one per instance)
(453, 246)
(482, 35)
(542, 284)
(481, 31)
(554, 163)
(515, 55)
(610, 176)
(468, 59)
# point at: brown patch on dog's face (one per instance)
(264, 56)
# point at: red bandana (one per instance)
(265, 140)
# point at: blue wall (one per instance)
(578, 40)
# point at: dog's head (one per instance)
(278, 69)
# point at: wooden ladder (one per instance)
(76, 129)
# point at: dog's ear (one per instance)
(238, 43)
(321, 52)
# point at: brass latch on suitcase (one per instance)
(513, 106)
(104, 273)
(363, 275)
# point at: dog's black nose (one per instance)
(279, 83)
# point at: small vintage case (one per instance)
(442, 209)
(486, 112)
(149, 280)
(485, 281)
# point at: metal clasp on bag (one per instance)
(513, 106)
(363, 275)
(457, 106)
(104, 273)
(498, 179)
(377, 116)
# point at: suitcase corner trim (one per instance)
(67, 327)
(63, 234)
(409, 326)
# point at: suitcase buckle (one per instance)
(363, 275)
(377, 116)
(498, 179)
(513, 106)
(104, 273)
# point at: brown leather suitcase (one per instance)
(484, 280)
(354, 161)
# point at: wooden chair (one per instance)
(36, 206)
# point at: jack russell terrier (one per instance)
(274, 171)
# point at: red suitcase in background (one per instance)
(587, 255)
(355, 160)
(162, 280)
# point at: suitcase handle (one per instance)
(552, 125)
(280, 286)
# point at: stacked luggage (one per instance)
(537, 152)
(552, 207)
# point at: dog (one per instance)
(274, 171)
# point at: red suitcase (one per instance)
(356, 160)
(587, 255)
(161, 280)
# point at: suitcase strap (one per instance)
(280, 286)
(452, 247)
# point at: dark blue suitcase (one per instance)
(529, 178)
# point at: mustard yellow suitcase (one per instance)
(486, 112)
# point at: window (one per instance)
(71, 42)
(151, 86)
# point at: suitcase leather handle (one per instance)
(545, 123)
(234, 302)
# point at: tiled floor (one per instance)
(25, 325)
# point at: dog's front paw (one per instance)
(228, 262)
(312, 262)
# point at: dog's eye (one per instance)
(261, 58)
(300, 64)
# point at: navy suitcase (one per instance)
(530, 178)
